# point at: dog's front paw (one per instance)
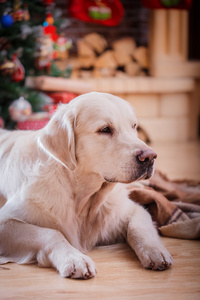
(77, 266)
(154, 257)
(67, 260)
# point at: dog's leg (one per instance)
(25, 243)
(144, 239)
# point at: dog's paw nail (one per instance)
(151, 265)
(87, 276)
(165, 264)
(155, 259)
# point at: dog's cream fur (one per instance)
(63, 188)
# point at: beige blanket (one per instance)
(174, 205)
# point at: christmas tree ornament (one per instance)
(50, 30)
(26, 13)
(49, 19)
(19, 71)
(20, 110)
(6, 21)
(7, 67)
(18, 15)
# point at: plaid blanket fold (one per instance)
(173, 205)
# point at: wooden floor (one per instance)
(120, 275)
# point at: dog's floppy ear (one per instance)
(57, 139)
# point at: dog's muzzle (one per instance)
(145, 159)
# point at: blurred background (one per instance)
(145, 51)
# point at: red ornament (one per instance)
(51, 30)
(19, 71)
(105, 12)
(167, 4)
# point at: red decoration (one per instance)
(18, 15)
(35, 122)
(105, 12)
(18, 73)
(62, 97)
(168, 4)
(39, 120)
(51, 30)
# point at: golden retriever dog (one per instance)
(64, 188)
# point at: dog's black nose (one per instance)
(146, 156)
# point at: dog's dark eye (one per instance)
(106, 129)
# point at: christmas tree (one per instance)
(28, 35)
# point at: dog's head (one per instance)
(97, 133)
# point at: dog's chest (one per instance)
(101, 222)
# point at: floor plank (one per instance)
(119, 276)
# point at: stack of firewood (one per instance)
(95, 58)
